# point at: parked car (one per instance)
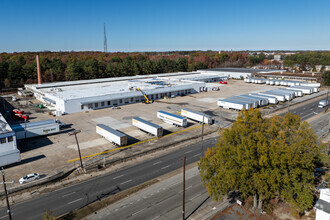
(115, 107)
(28, 178)
(222, 82)
(323, 103)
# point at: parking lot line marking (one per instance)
(68, 194)
(74, 201)
(164, 167)
(157, 163)
(138, 212)
(117, 177)
(126, 181)
(137, 143)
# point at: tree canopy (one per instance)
(263, 158)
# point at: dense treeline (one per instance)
(17, 69)
(307, 59)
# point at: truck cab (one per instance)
(323, 103)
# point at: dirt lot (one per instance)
(48, 155)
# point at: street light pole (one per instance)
(75, 135)
(202, 136)
(6, 194)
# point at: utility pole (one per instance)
(6, 194)
(105, 41)
(202, 150)
(184, 188)
(75, 135)
(25, 127)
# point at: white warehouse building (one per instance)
(85, 95)
(237, 73)
(8, 148)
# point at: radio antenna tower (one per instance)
(105, 41)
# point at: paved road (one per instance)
(308, 110)
(160, 201)
(77, 196)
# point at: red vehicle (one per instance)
(18, 111)
(23, 116)
(222, 82)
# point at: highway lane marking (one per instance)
(164, 167)
(137, 143)
(117, 177)
(156, 217)
(6, 216)
(196, 155)
(315, 113)
(307, 115)
(74, 201)
(157, 163)
(185, 189)
(196, 196)
(138, 212)
(126, 181)
(68, 194)
(188, 151)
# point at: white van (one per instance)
(323, 103)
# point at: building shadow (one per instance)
(33, 143)
(27, 160)
(166, 132)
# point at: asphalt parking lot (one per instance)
(48, 155)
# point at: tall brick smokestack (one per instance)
(38, 70)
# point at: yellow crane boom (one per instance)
(145, 96)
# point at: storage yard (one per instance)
(135, 124)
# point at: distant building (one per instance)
(277, 57)
(8, 148)
(322, 205)
(318, 68)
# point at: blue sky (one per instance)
(162, 25)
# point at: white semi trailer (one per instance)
(233, 104)
(271, 99)
(296, 92)
(34, 129)
(172, 118)
(148, 126)
(254, 103)
(279, 97)
(261, 101)
(288, 96)
(111, 135)
(196, 116)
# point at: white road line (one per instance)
(188, 151)
(156, 217)
(117, 177)
(157, 163)
(315, 113)
(68, 194)
(196, 155)
(307, 115)
(74, 201)
(137, 212)
(164, 167)
(6, 216)
(126, 181)
(188, 187)
(195, 196)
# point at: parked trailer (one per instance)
(296, 92)
(291, 93)
(271, 99)
(279, 97)
(233, 104)
(254, 103)
(261, 101)
(288, 96)
(172, 118)
(197, 116)
(148, 127)
(111, 135)
(34, 129)
(247, 80)
(311, 84)
(306, 90)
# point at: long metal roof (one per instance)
(147, 122)
(173, 115)
(4, 126)
(113, 131)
